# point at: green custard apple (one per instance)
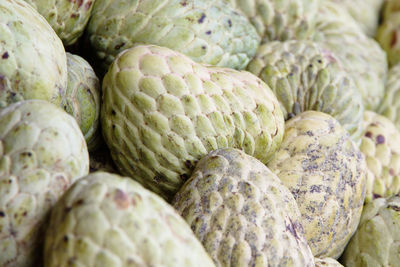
(390, 105)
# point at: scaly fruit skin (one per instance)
(376, 242)
(82, 98)
(280, 20)
(242, 213)
(390, 106)
(162, 112)
(304, 76)
(33, 63)
(388, 37)
(325, 171)
(42, 152)
(208, 31)
(361, 57)
(327, 262)
(108, 220)
(68, 18)
(381, 147)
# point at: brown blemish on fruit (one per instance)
(368, 134)
(5, 55)
(380, 139)
(391, 171)
(121, 199)
(2, 214)
(117, 47)
(184, 3)
(396, 208)
(393, 40)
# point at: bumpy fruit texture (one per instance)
(82, 98)
(327, 262)
(361, 57)
(242, 213)
(33, 63)
(280, 20)
(42, 152)
(208, 31)
(304, 76)
(390, 106)
(377, 240)
(108, 220)
(325, 171)
(68, 18)
(381, 148)
(162, 112)
(388, 36)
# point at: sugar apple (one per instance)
(242, 213)
(304, 76)
(381, 148)
(82, 98)
(327, 262)
(42, 152)
(68, 18)
(377, 240)
(208, 31)
(108, 220)
(33, 63)
(361, 56)
(325, 171)
(280, 20)
(390, 106)
(162, 112)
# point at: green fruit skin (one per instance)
(242, 213)
(208, 31)
(327, 262)
(33, 62)
(42, 152)
(109, 220)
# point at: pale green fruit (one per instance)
(82, 98)
(242, 213)
(42, 152)
(68, 18)
(377, 240)
(208, 31)
(162, 112)
(304, 76)
(390, 106)
(280, 20)
(33, 63)
(325, 171)
(381, 148)
(388, 36)
(327, 262)
(361, 57)
(108, 220)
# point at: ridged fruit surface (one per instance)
(208, 31)
(388, 34)
(381, 147)
(82, 98)
(162, 112)
(42, 152)
(325, 171)
(242, 213)
(108, 220)
(33, 63)
(390, 105)
(377, 240)
(304, 76)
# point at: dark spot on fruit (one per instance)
(65, 238)
(67, 209)
(113, 126)
(79, 202)
(393, 40)
(5, 55)
(113, 112)
(13, 94)
(368, 134)
(25, 213)
(121, 199)
(229, 23)
(396, 208)
(201, 19)
(65, 107)
(309, 133)
(2, 214)
(319, 61)
(203, 47)
(380, 139)
(310, 66)
(208, 32)
(28, 114)
(74, 16)
(26, 154)
(188, 164)
(88, 4)
(184, 3)
(391, 171)
(119, 46)
(184, 177)
(10, 181)
(376, 196)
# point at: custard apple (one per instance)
(361, 57)
(381, 148)
(390, 106)
(42, 152)
(377, 240)
(162, 112)
(68, 18)
(208, 31)
(304, 76)
(33, 64)
(242, 213)
(327, 262)
(280, 20)
(82, 99)
(325, 171)
(108, 220)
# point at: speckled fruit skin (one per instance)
(390, 105)
(42, 152)
(361, 56)
(325, 171)
(208, 31)
(280, 20)
(108, 220)
(327, 262)
(82, 98)
(381, 148)
(162, 112)
(33, 63)
(68, 18)
(242, 213)
(304, 76)
(377, 240)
